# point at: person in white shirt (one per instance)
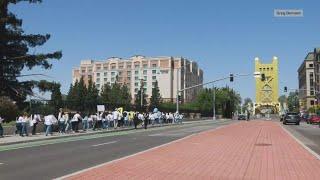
(48, 124)
(115, 115)
(75, 122)
(85, 123)
(24, 122)
(35, 120)
(109, 119)
(1, 128)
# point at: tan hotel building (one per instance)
(169, 72)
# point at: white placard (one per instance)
(100, 108)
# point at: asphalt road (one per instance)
(55, 158)
(308, 134)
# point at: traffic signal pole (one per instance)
(210, 82)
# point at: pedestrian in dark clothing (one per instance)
(1, 128)
(135, 120)
(146, 121)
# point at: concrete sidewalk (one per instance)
(16, 139)
(245, 150)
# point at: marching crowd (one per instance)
(71, 122)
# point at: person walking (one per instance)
(18, 125)
(75, 122)
(67, 122)
(48, 125)
(135, 120)
(85, 123)
(115, 115)
(35, 120)
(61, 122)
(125, 118)
(24, 123)
(1, 128)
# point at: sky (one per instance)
(223, 36)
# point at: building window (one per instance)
(154, 77)
(112, 79)
(128, 66)
(154, 71)
(113, 73)
(310, 65)
(312, 102)
(144, 71)
(154, 65)
(136, 90)
(105, 74)
(120, 67)
(136, 78)
(120, 73)
(98, 79)
(129, 73)
(145, 89)
(105, 79)
(98, 68)
(136, 72)
(154, 84)
(98, 86)
(113, 67)
(98, 74)
(136, 84)
(145, 65)
(119, 78)
(128, 78)
(136, 66)
(145, 78)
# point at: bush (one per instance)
(8, 109)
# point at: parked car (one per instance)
(292, 117)
(242, 117)
(314, 119)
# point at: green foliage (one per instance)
(91, 100)
(15, 54)
(293, 102)
(155, 99)
(8, 110)
(56, 97)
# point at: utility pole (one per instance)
(141, 93)
(214, 102)
(177, 96)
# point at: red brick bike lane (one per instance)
(245, 150)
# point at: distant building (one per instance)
(267, 91)
(131, 72)
(308, 75)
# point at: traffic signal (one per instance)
(263, 77)
(179, 98)
(285, 89)
(231, 77)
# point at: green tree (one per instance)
(91, 100)
(293, 101)
(71, 96)
(81, 94)
(155, 99)
(56, 97)
(16, 56)
(105, 94)
(125, 97)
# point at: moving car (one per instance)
(313, 119)
(292, 117)
(242, 117)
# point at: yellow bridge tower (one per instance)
(267, 91)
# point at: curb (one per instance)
(301, 143)
(104, 132)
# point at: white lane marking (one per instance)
(111, 142)
(301, 143)
(1, 163)
(157, 147)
